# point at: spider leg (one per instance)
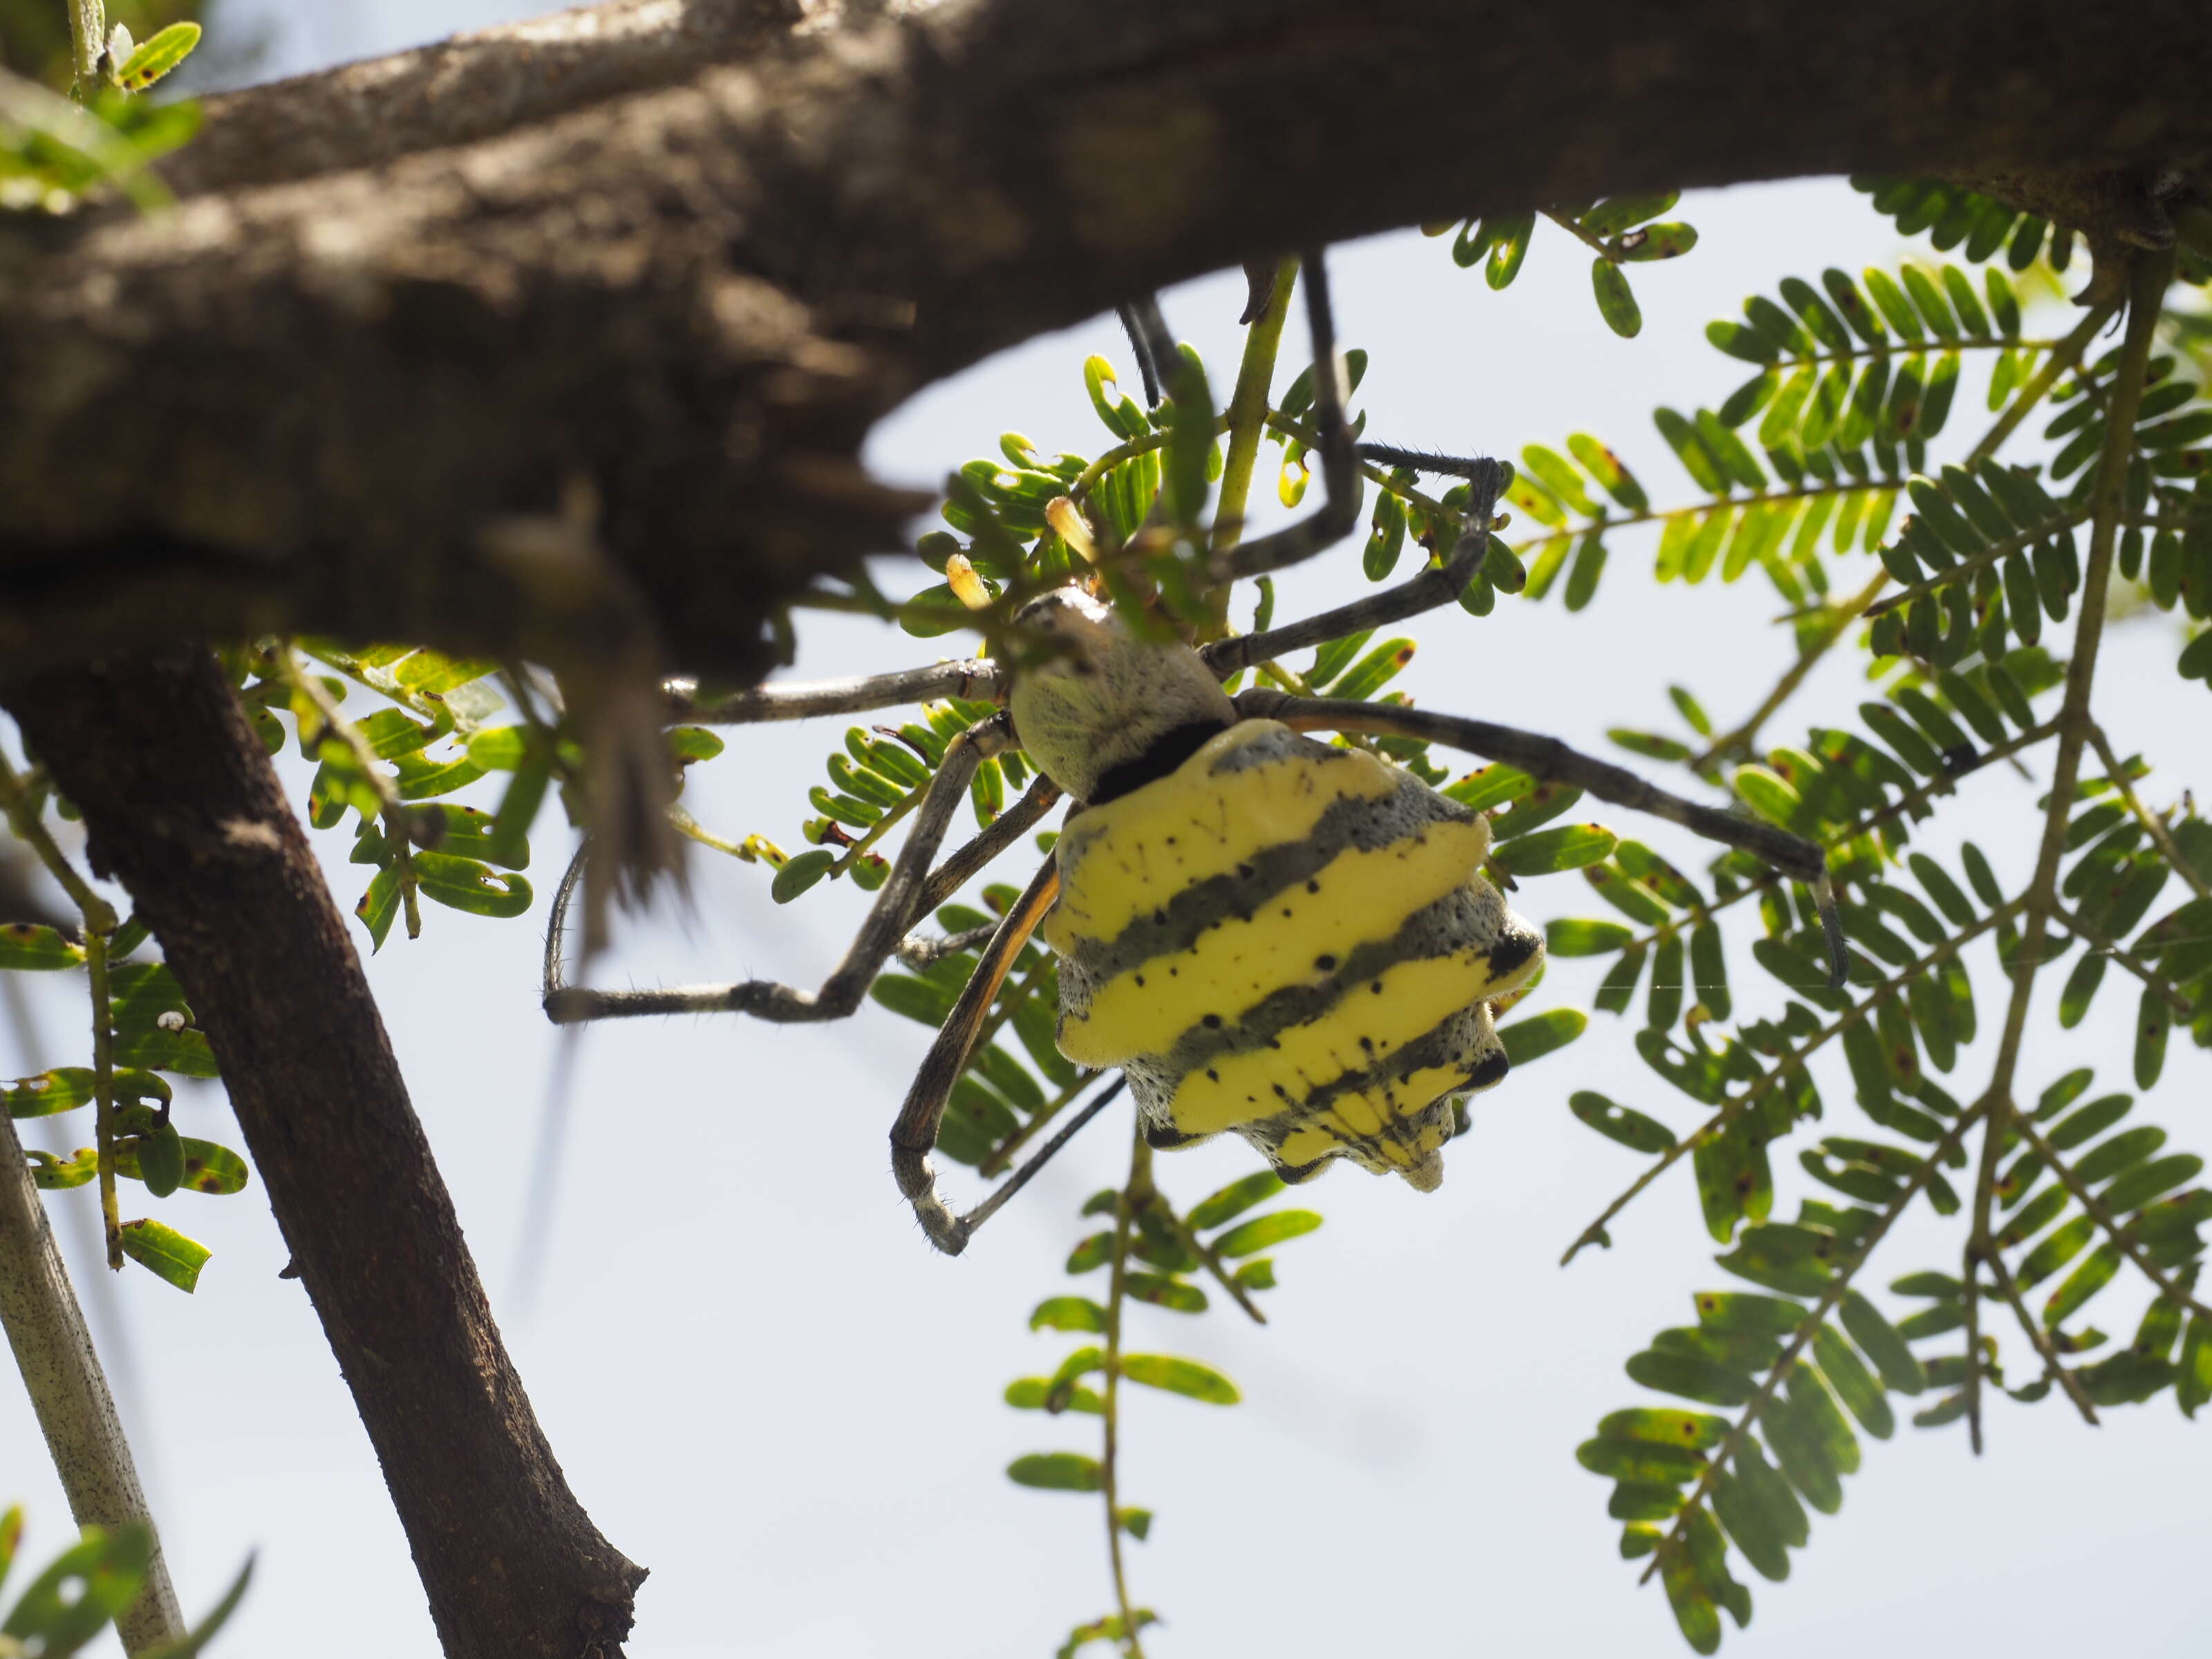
(1435, 584)
(914, 1133)
(1547, 757)
(1140, 321)
(970, 677)
(1449, 466)
(888, 920)
(1043, 1155)
(1339, 473)
(1004, 830)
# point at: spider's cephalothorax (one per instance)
(1267, 934)
(1101, 711)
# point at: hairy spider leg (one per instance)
(1422, 460)
(1549, 758)
(1140, 321)
(969, 677)
(913, 1136)
(890, 919)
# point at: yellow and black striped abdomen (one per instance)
(1292, 941)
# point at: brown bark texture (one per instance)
(183, 808)
(671, 259)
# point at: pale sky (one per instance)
(767, 1388)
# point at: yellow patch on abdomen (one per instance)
(1298, 936)
(1405, 1002)
(1137, 853)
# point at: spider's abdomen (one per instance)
(1292, 941)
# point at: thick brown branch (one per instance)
(183, 809)
(685, 252)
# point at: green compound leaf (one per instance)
(1041, 1394)
(1058, 1471)
(1068, 1313)
(1531, 1039)
(165, 1252)
(1163, 1291)
(82, 1590)
(1569, 937)
(160, 1158)
(1631, 1128)
(1616, 299)
(156, 57)
(1183, 1376)
(61, 1090)
(25, 946)
(1263, 1232)
(472, 885)
(190, 1645)
(1234, 1199)
(378, 906)
(1570, 846)
(800, 872)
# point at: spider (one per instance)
(1270, 936)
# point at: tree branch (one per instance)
(686, 251)
(184, 809)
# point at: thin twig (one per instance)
(1140, 1159)
(1839, 621)
(2150, 821)
(103, 1073)
(1248, 407)
(2148, 278)
(2119, 953)
(2041, 1337)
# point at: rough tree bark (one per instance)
(683, 252)
(686, 250)
(183, 808)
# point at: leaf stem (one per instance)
(1839, 620)
(2147, 277)
(24, 825)
(103, 1073)
(2149, 820)
(2119, 953)
(1248, 407)
(1140, 1179)
(2041, 1339)
(87, 41)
